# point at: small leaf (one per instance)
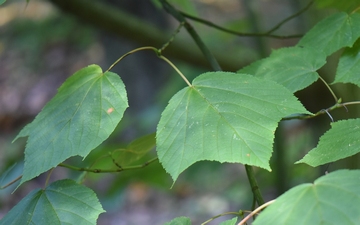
(62, 202)
(10, 175)
(84, 112)
(135, 150)
(226, 117)
(2, 2)
(295, 67)
(333, 33)
(348, 69)
(332, 199)
(341, 141)
(179, 221)
(229, 222)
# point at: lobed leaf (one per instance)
(226, 117)
(294, 67)
(62, 202)
(333, 33)
(84, 112)
(341, 141)
(332, 199)
(349, 66)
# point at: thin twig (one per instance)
(242, 34)
(206, 52)
(255, 211)
(108, 170)
(11, 182)
(290, 18)
(323, 111)
(220, 215)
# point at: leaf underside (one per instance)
(226, 117)
(84, 112)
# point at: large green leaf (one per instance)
(348, 69)
(332, 199)
(84, 112)
(341, 141)
(295, 67)
(62, 202)
(179, 221)
(2, 2)
(333, 33)
(227, 117)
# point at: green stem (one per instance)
(329, 88)
(178, 16)
(108, 170)
(158, 53)
(253, 184)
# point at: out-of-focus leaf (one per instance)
(294, 67)
(347, 6)
(135, 150)
(84, 112)
(333, 33)
(179, 221)
(332, 199)
(2, 2)
(62, 202)
(226, 117)
(348, 69)
(341, 141)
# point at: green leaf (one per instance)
(62, 202)
(348, 5)
(332, 199)
(10, 175)
(84, 112)
(179, 221)
(333, 33)
(229, 222)
(349, 66)
(135, 150)
(2, 2)
(295, 67)
(227, 117)
(341, 141)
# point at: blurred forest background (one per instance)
(44, 42)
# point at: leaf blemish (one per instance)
(110, 110)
